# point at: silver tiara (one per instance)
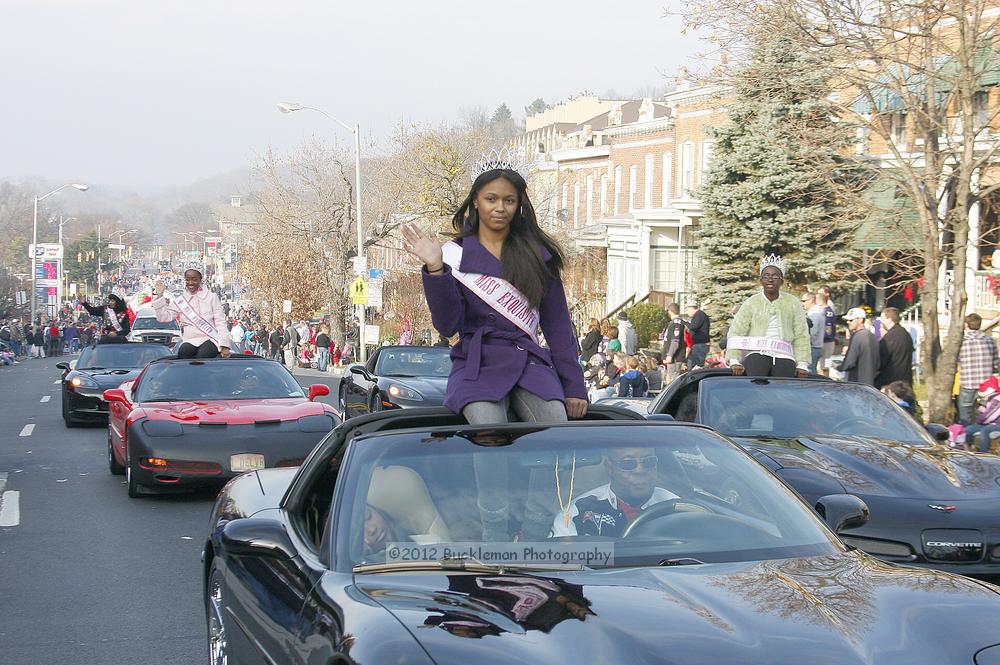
(504, 158)
(773, 260)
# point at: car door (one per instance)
(117, 420)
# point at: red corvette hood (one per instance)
(233, 412)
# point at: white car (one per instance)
(146, 328)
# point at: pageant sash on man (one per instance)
(197, 319)
(769, 346)
(496, 292)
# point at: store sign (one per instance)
(44, 251)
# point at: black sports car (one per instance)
(99, 367)
(375, 551)
(931, 505)
(396, 377)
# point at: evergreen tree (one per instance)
(501, 115)
(536, 107)
(782, 180)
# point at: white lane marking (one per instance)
(46, 398)
(56, 382)
(3, 480)
(10, 509)
(28, 429)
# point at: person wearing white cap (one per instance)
(769, 335)
(861, 361)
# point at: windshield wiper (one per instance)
(683, 561)
(464, 564)
(402, 376)
(91, 367)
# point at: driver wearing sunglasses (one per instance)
(607, 510)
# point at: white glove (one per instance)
(158, 288)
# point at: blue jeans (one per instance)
(817, 353)
(697, 356)
(966, 403)
(984, 432)
(322, 358)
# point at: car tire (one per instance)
(114, 467)
(134, 488)
(67, 416)
(218, 645)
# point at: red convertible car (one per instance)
(183, 423)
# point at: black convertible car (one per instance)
(375, 551)
(931, 505)
(396, 377)
(100, 367)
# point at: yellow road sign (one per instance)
(359, 291)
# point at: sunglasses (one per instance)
(631, 463)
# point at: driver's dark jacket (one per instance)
(599, 513)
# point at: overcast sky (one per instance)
(131, 92)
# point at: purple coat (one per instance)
(493, 355)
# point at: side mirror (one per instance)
(63, 366)
(115, 395)
(939, 432)
(842, 511)
(318, 390)
(257, 536)
(360, 371)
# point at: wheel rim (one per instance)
(216, 629)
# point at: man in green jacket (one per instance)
(769, 335)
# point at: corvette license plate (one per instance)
(246, 462)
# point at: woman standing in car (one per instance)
(495, 284)
(114, 316)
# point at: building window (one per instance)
(897, 122)
(687, 169)
(980, 108)
(668, 167)
(576, 205)
(706, 158)
(618, 189)
(633, 185)
(647, 181)
(590, 199)
(565, 196)
(604, 195)
(235, 201)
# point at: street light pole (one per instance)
(289, 107)
(34, 242)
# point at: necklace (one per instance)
(564, 507)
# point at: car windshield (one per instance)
(790, 409)
(120, 356)
(150, 323)
(413, 361)
(645, 494)
(218, 379)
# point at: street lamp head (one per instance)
(288, 107)
(81, 187)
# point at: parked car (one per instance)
(99, 367)
(185, 423)
(931, 506)
(373, 552)
(395, 377)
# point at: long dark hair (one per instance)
(523, 265)
(118, 305)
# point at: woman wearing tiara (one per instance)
(494, 285)
(769, 335)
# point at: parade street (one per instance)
(89, 575)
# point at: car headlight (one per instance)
(396, 390)
(80, 381)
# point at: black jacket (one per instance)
(861, 362)
(275, 339)
(590, 344)
(895, 354)
(699, 325)
(676, 349)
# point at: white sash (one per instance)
(113, 315)
(776, 348)
(197, 319)
(496, 292)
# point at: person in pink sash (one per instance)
(204, 333)
(769, 335)
(495, 284)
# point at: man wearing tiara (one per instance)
(204, 333)
(769, 335)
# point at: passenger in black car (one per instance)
(380, 529)
(607, 510)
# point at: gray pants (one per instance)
(491, 470)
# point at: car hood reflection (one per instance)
(234, 412)
(872, 466)
(843, 609)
